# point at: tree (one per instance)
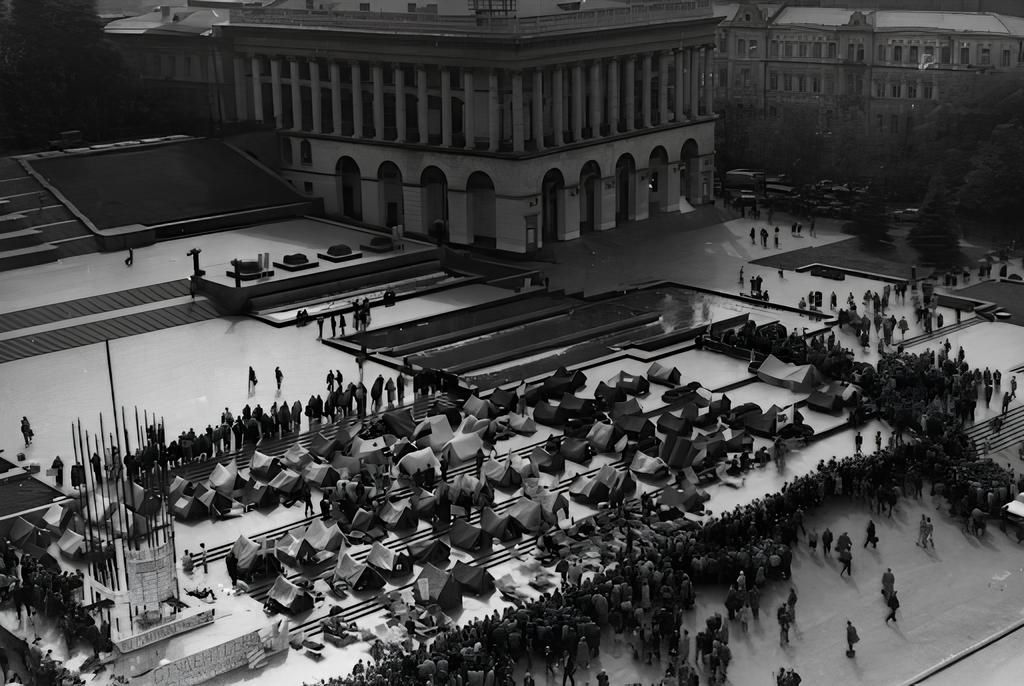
(870, 220)
(935, 235)
(990, 187)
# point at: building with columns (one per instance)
(481, 123)
(882, 69)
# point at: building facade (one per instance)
(477, 124)
(882, 69)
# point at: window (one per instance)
(912, 91)
(803, 49)
(860, 53)
(187, 64)
(850, 51)
(741, 47)
(752, 48)
(364, 7)
(815, 84)
(172, 66)
(965, 55)
(774, 48)
(894, 123)
(986, 56)
(411, 7)
(801, 83)
(816, 50)
(1004, 61)
(746, 78)
(927, 91)
(849, 83)
(832, 50)
(723, 46)
(789, 49)
(860, 86)
(723, 77)
(787, 82)
(773, 81)
(944, 55)
(894, 90)
(830, 86)
(736, 80)
(881, 53)
(913, 54)
(307, 186)
(897, 53)
(305, 152)
(879, 89)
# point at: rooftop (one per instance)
(895, 20)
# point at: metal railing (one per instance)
(399, 22)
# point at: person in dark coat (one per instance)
(826, 541)
(871, 537)
(894, 604)
(97, 467)
(232, 564)
(376, 393)
(58, 468)
(252, 381)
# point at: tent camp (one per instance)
(180, 487)
(264, 466)
(288, 598)
(626, 408)
(466, 441)
(430, 550)
(387, 561)
(287, 482)
(365, 522)
(573, 406)
(57, 516)
(562, 381)
(356, 575)
(547, 414)
(522, 425)
(665, 376)
(821, 401)
(499, 526)
(500, 474)
(397, 516)
(71, 545)
(399, 423)
(419, 460)
(245, 552)
(605, 438)
(467, 490)
(293, 550)
(437, 587)
(323, 537)
(219, 504)
(320, 474)
(576, 450)
(687, 498)
(527, 515)
(187, 507)
(802, 378)
(468, 537)
(473, 579)
(552, 463)
(258, 495)
(481, 409)
(433, 432)
(637, 427)
(424, 504)
(607, 396)
(224, 478)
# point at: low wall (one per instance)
(233, 220)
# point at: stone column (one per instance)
(315, 96)
(596, 100)
(630, 93)
(493, 110)
(399, 103)
(558, 106)
(577, 103)
(664, 112)
(257, 89)
(613, 95)
(377, 75)
(517, 112)
(694, 83)
(446, 107)
(709, 83)
(468, 111)
(335, 70)
(296, 88)
(422, 104)
(241, 105)
(275, 90)
(538, 108)
(357, 101)
(680, 112)
(645, 96)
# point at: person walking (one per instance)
(1006, 402)
(776, 237)
(26, 431)
(858, 442)
(782, 614)
(888, 582)
(569, 668)
(922, 528)
(130, 260)
(58, 471)
(202, 558)
(278, 376)
(812, 540)
(894, 604)
(871, 537)
(1013, 387)
(851, 638)
(846, 557)
(929, 531)
(753, 233)
(791, 602)
(826, 542)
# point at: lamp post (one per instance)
(194, 254)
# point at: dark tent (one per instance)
(681, 453)
(323, 446)
(501, 474)
(665, 376)
(287, 482)
(424, 504)
(687, 498)
(320, 474)
(397, 516)
(574, 406)
(289, 598)
(629, 407)
(576, 450)
(188, 507)
(637, 427)
(481, 409)
(824, 402)
(551, 463)
(630, 384)
(430, 550)
(720, 406)
(71, 545)
(258, 495)
(547, 414)
(399, 423)
(647, 466)
(468, 537)
(263, 466)
(691, 392)
(762, 425)
(504, 401)
(605, 438)
(527, 515)
(473, 579)
(607, 396)
(387, 561)
(296, 458)
(358, 576)
(562, 382)
(501, 527)
(437, 587)
(739, 441)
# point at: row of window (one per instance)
(912, 54)
(910, 90)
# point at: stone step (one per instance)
(27, 257)
(12, 240)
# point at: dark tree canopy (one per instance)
(936, 236)
(870, 219)
(990, 188)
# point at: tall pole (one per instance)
(124, 427)
(113, 400)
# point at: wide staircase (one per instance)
(1010, 433)
(942, 333)
(35, 228)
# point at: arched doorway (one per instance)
(658, 184)
(689, 171)
(481, 208)
(434, 199)
(552, 205)
(350, 188)
(389, 193)
(625, 188)
(590, 197)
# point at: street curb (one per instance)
(957, 657)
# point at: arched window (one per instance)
(305, 152)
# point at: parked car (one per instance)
(910, 214)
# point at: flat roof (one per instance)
(818, 16)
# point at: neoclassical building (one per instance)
(498, 127)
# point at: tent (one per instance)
(824, 402)
(245, 552)
(358, 576)
(501, 527)
(802, 378)
(180, 487)
(365, 521)
(607, 395)
(605, 438)
(187, 507)
(504, 401)
(648, 466)
(291, 599)
(296, 457)
(692, 392)
(370, 451)
(626, 408)
(263, 466)
(437, 587)
(522, 425)
(551, 503)
(466, 536)
(424, 504)
(475, 407)
(324, 446)
(56, 517)
(637, 427)
(668, 423)
(399, 423)
(562, 381)
(552, 463)
(219, 504)
(466, 441)
(71, 545)
(287, 482)
(293, 550)
(387, 561)
(433, 432)
(665, 376)
(576, 450)
(574, 406)
(527, 515)
(258, 495)
(684, 453)
(397, 516)
(547, 414)
(688, 498)
(430, 550)
(501, 474)
(473, 579)
(323, 537)
(320, 474)
(224, 478)
(630, 384)
(524, 465)
(720, 407)
(469, 490)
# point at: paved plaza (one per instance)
(960, 592)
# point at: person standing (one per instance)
(894, 604)
(97, 468)
(58, 471)
(871, 537)
(846, 557)
(752, 234)
(812, 540)
(929, 530)
(278, 376)
(376, 393)
(252, 381)
(851, 638)
(888, 583)
(232, 564)
(569, 669)
(1013, 387)
(922, 528)
(26, 431)
(320, 327)
(858, 442)
(826, 541)
(783, 616)
(202, 558)
(334, 327)
(791, 602)
(389, 387)
(330, 380)
(341, 323)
